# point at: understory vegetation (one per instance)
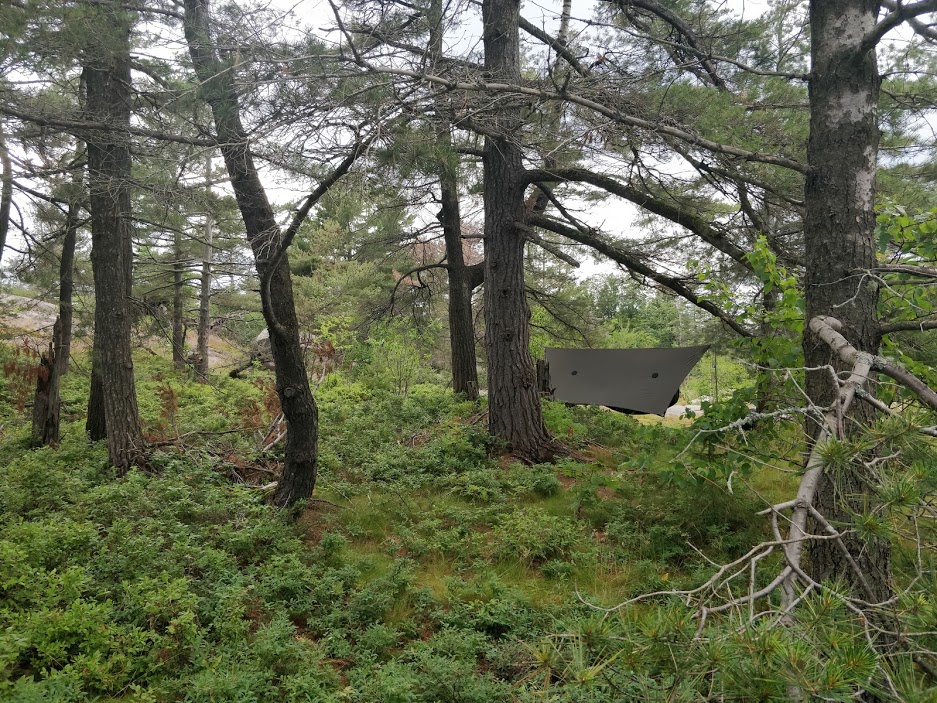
(281, 285)
(425, 569)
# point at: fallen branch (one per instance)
(802, 506)
(828, 329)
(882, 407)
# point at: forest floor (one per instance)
(429, 566)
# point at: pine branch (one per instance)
(632, 263)
(900, 13)
(647, 201)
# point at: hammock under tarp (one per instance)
(636, 380)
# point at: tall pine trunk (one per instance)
(178, 313)
(296, 400)
(461, 320)
(96, 422)
(63, 342)
(6, 191)
(838, 232)
(107, 72)
(204, 310)
(514, 411)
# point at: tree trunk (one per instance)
(296, 400)
(514, 411)
(108, 81)
(96, 422)
(46, 404)
(63, 341)
(204, 300)
(6, 192)
(461, 321)
(178, 288)
(54, 365)
(838, 232)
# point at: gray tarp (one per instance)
(643, 380)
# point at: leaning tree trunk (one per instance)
(108, 100)
(514, 411)
(838, 232)
(296, 400)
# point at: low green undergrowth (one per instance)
(428, 569)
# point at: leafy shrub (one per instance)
(490, 607)
(479, 486)
(543, 482)
(561, 422)
(533, 536)
(448, 674)
(657, 521)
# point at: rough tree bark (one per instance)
(96, 422)
(838, 233)
(45, 430)
(108, 81)
(296, 400)
(514, 411)
(461, 322)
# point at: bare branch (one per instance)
(80, 128)
(900, 13)
(632, 263)
(647, 201)
(920, 271)
(315, 196)
(882, 407)
(559, 47)
(828, 328)
(404, 276)
(806, 492)
(531, 236)
(907, 326)
(675, 21)
(612, 113)
(135, 8)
